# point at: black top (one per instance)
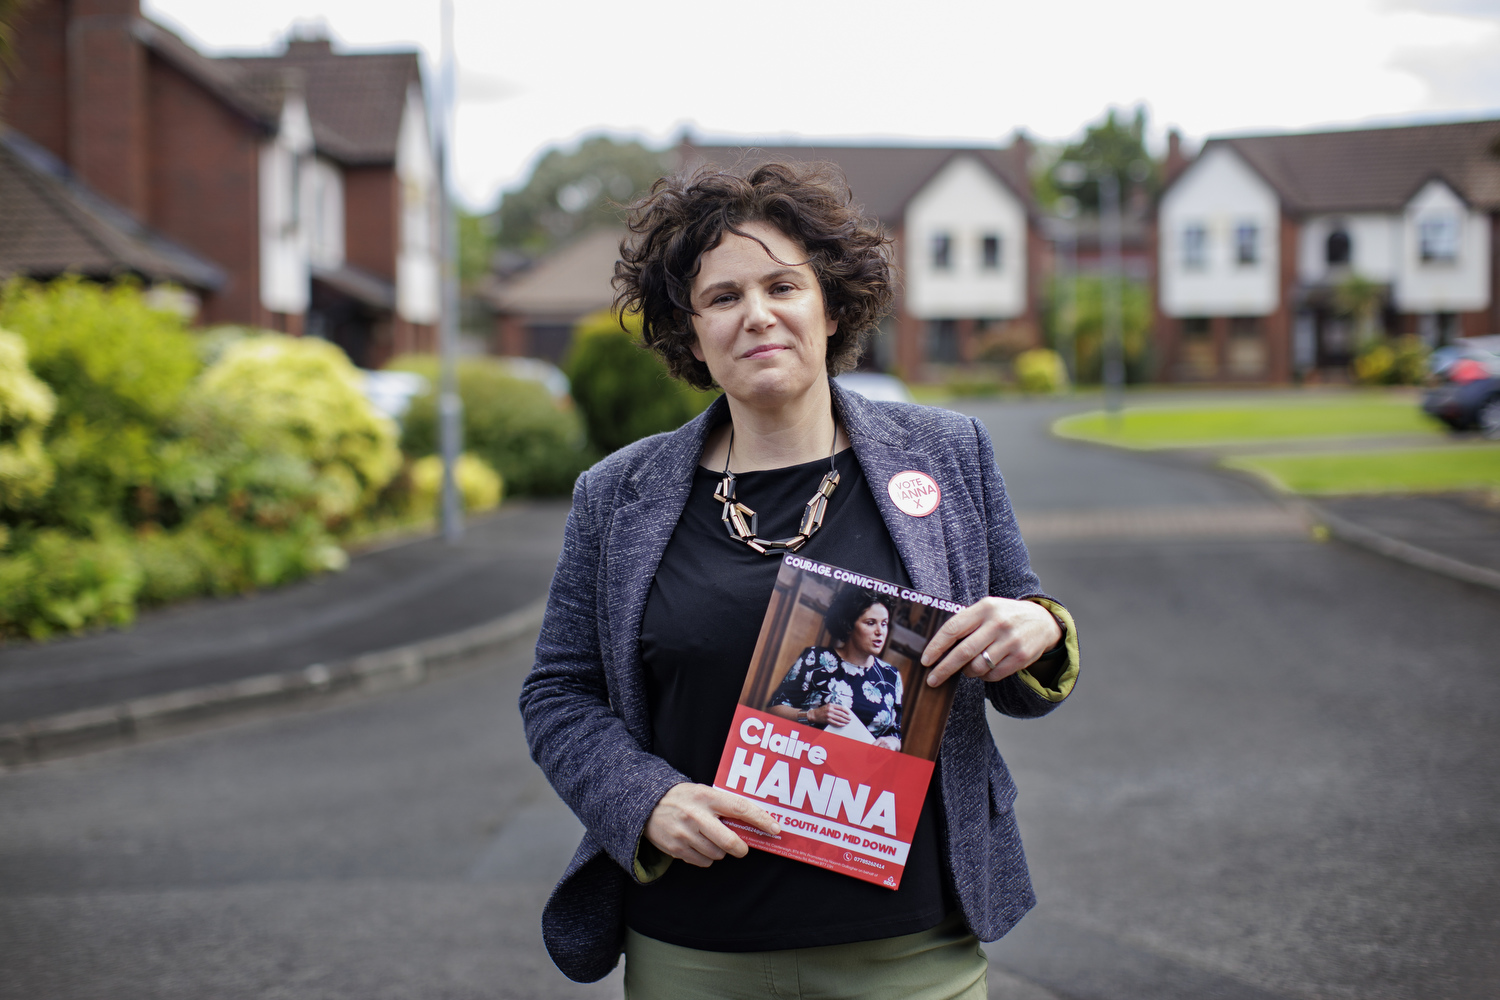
(702, 618)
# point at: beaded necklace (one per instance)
(741, 521)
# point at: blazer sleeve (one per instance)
(1021, 694)
(577, 738)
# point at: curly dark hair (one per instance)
(686, 215)
(846, 607)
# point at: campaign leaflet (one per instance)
(846, 785)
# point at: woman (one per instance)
(766, 285)
(829, 686)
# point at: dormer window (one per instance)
(1246, 244)
(1338, 250)
(1437, 238)
(942, 252)
(1194, 246)
(989, 252)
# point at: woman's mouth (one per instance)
(763, 351)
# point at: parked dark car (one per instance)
(1465, 380)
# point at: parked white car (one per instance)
(877, 387)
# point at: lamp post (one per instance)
(450, 405)
(1072, 174)
(1067, 322)
(1109, 245)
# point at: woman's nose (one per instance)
(758, 313)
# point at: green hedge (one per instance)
(622, 388)
(536, 443)
(132, 473)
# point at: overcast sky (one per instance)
(536, 74)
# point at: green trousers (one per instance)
(945, 963)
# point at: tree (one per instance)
(1360, 299)
(568, 193)
(1113, 146)
(476, 241)
(1083, 315)
(622, 387)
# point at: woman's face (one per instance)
(762, 326)
(870, 631)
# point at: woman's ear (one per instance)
(697, 349)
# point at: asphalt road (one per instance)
(1275, 779)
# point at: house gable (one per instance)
(1445, 246)
(1373, 241)
(284, 275)
(1219, 243)
(964, 244)
(418, 283)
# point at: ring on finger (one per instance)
(984, 654)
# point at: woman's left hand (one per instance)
(1013, 633)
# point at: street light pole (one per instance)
(1110, 238)
(1068, 328)
(450, 405)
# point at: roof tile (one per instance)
(50, 223)
(1375, 169)
(882, 178)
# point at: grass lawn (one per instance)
(1199, 426)
(1425, 470)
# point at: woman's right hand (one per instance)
(830, 714)
(686, 823)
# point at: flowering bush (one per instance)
(1041, 371)
(478, 484)
(301, 398)
(1402, 361)
(623, 388)
(119, 370)
(26, 407)
(130, 474)
(535, 443)
(63, 583)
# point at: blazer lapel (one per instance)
(880, 445)
(651, 502)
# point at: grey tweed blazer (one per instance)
(584, 702)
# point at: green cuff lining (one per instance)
(1069, 673)
(650, 862)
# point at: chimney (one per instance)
(1021, 143)
(1176, 161)
(107, 101)
(309, 47)
(309, 37)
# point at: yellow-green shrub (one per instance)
(302, 397)
(1041, 371)
(64, 583)
(26, 407)
(536, 443)
(1402, 361)
(623, 388)
(478, 484)
(119, 370)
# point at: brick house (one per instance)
(535, 309)
(304, 183)
(968, 244)
(1255, 235)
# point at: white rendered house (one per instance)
(1255, 236)
(967, 240)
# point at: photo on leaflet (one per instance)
(848, 654)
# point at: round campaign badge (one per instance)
(915, 493)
